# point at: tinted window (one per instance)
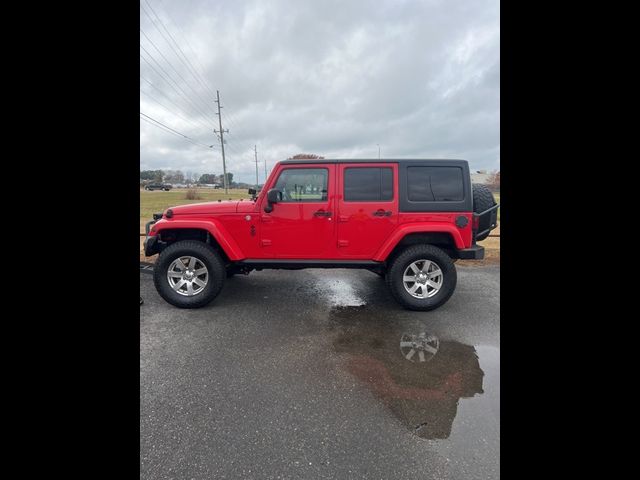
(368, 184)
(303, 184)
(435, 184)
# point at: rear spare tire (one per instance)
(482, 200)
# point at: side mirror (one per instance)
(273, 196)
(252, 191)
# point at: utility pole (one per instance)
(255, 150)
(221, 131)
(378, 150)
(265, 171)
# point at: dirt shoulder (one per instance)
(491, 252)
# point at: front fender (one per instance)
(407, 228)
(213, 226)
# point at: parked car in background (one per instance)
(158, 186)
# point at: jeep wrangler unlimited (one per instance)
(406, 220)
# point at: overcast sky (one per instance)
(332, 77)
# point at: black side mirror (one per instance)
(273, 196)
(252, 191)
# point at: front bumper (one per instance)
(151, 246)
(150, 243)
(475, 252)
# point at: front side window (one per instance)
(303, 184)
(365, 184)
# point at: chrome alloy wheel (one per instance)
(422, 279)
(187, 276)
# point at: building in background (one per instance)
(481, 176)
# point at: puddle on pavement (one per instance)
(418, 376)
(338, 292)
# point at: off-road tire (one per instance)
(206, 255)
(395, 272)
(482, 200)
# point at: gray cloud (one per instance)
(420, 78)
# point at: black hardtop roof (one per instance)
(439, 161)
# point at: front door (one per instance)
(301, 225)
(367, 207)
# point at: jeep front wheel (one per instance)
(189, 274)
(423, 277)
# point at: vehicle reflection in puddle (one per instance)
(422, 388)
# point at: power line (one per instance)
(196, 74)
(232, 122)
(190, 67)
(166, 130)
(167, 109)
(154, 23)
(188, 63)
(195, 55)
(238, 148)
(171, 65)
(183, 57)
(175, 134)
(171, 130)
(231, 116)
(172, 102)
(243, 156)
(183, 94)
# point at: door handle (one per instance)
(382, 213)
(322, 213)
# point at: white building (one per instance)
(480, 176)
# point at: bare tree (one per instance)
(494, 181)
(306, 156)
(174, 176)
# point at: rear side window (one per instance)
(364, 184)
(435, 184)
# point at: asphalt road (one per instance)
(309, 374)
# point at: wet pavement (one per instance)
(320, 374)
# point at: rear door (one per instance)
(367, 207)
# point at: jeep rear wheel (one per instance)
(423, 277)
(189, 274)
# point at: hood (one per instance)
(226, 206)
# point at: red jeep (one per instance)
(406, 220)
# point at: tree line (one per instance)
(177, 177)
